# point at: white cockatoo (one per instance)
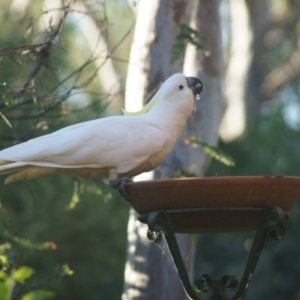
(112, 147)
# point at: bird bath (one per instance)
(215, 204)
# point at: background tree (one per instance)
(268, 145)
(63, 62)
(49, 74)
(147, 276)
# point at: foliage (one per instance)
(90, 237)
(214, 152)
(187, 35)
(48, 80)
(269, 147)
(14, 277)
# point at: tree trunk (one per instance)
(107, 75)
(149, 272)
(204, 123)
(259, 20)
(234, 121)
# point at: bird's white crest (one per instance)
(113, 146)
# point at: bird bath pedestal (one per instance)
(218, 204)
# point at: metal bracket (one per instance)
(271, 224)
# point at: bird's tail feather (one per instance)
(4, 162)
(10, 167)
(30, 172)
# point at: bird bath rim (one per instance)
(214, 204)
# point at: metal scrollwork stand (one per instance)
(271, 224)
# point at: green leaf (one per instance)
(187, 35)
(212, 151)
(3, 275)
(5, 94)
(75, 197)
(21, 242)
(23, 273)
(38, 295)
(66, 270)
(4, 260)
(3, 290)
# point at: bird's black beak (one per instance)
(195, 84)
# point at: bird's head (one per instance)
(174, 86)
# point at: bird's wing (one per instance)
(122, 142)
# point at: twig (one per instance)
(43, 54)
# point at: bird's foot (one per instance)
(120, 185)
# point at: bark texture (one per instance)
(259, 20)
(204, 123)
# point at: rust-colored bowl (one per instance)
(218, 195)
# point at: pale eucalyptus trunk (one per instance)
(240, 56)
(149, 271)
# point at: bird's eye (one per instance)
(181, 87)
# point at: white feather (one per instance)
(126, 143)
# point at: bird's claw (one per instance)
(120, 185)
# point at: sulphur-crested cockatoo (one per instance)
(112, 147)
